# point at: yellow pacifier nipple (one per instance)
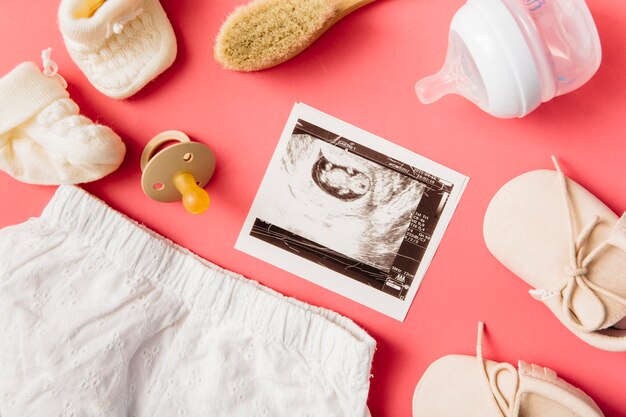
(195, 199)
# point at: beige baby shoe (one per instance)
(468, 386)
(120, 45)
(43, 139)
(569, 246)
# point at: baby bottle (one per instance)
(509, 56)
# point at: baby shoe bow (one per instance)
(575, 274)
(472, 386)
(503, 402)
(569, 247)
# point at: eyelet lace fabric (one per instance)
(102, 317)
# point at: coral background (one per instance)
(363, 72)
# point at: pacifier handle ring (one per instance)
(151, 148)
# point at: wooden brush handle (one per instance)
(345, 7)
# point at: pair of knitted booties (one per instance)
(120, 45)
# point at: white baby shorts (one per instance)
(99, 316)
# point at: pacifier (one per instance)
(179, 171)
(509, 56)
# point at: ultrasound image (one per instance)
(342, 201)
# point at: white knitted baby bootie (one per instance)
(120, 45)
(43, 139)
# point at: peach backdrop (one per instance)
(363, 72)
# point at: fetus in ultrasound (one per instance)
(342, 201)
(342, 182)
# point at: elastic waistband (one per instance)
(337, 342)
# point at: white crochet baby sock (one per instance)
(124, 45)
(43, 139)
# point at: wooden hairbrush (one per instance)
(265, 33)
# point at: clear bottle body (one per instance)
(563, 40)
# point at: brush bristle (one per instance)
(266, 32)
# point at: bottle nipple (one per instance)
(431, 89)
(195, 199)
(459, 75)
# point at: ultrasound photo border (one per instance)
(443, 186)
